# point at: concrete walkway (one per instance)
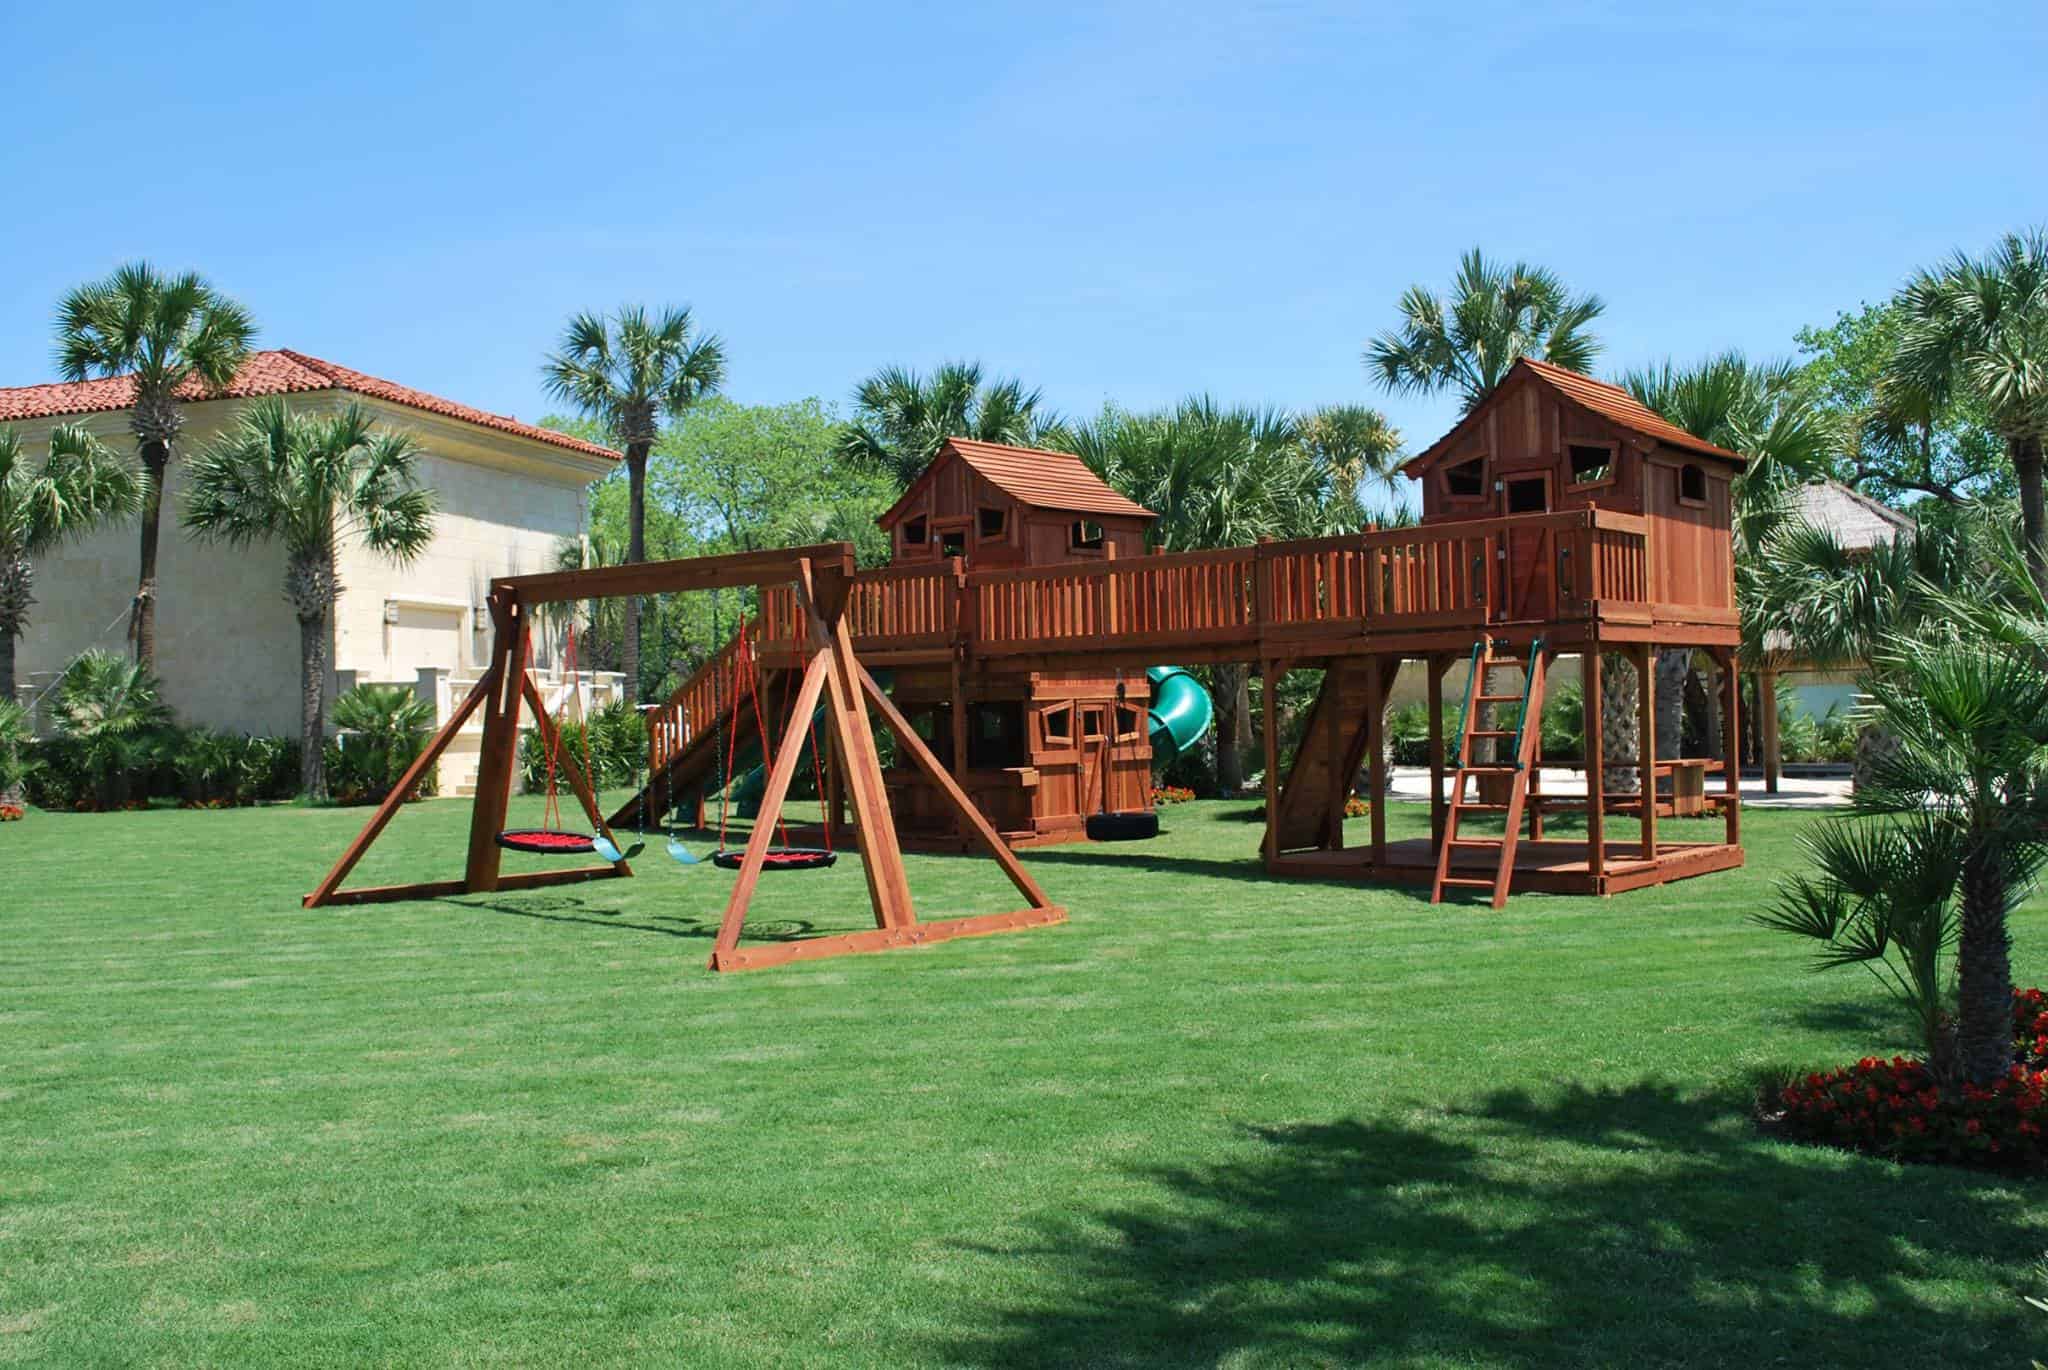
(1794, 792)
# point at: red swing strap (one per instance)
(746, 669)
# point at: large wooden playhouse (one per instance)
(1561, 518)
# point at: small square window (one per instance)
(991, 524)
(953, 542)
(1692, 484)
(1091, 723)
(914, 533)
(1059, 724)
(1086, 536)
(1130, 720)
(1592, 463)
(1466, 480)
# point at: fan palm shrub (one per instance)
(77, 488)
(17, 755)
(381, 730)
(111, 711)
(626, 372)
(1949, 835)
(179, 339)
(308, 484)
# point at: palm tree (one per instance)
(627, 371)
(112, 710)
(1356, 443)
(310, 484)
(901, 418)
(180, 339)
(1760, 411)
(1978, 328)
(1959, 808)
(1495, 315)
(78, 487)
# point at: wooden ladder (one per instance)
(1524, 737)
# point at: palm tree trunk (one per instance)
(7, 639)
(636, 551)
(2026, 467)
(1983, 972)
(156, 460)
(1229, 729)
(313, 706)
(1673, 665)
(1618, 727)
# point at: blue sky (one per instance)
(1129, 202)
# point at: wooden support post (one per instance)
(1767, 729)
(1269, 728)
(881, 855)
(1731, 746)
(1376, 757)
(958, 722)
(1596, 770)
(1339, 780)
(1646, 743)
(1436, 667)
(497, 753)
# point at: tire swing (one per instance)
(1112, 824)
(781, 855)
(551, 838)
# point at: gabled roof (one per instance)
(272, 373)
(1057, 481)
(1855, 520)
(1610, 402)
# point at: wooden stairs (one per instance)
(1522, 744)
(692, 733)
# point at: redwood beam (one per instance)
(1596, 769)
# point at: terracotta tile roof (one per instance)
(1058, 481)
(1611, 402)
(273, 373)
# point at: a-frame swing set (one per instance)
(822, 576)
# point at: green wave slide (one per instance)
(1181, 712)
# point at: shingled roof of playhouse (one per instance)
(1057, 481)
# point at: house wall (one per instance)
(227, 642)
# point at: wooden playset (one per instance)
(1018, 620)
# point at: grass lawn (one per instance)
(1217, 1119)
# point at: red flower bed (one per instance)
(1171, 794)
(1894, 1108)
(12, 813)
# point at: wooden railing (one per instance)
(1469, 573)
(695, 706)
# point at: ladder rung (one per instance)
(1469, 884)
(1477, 842)
(1499, 699)
(1491, 732)
(1474, 806)
(1485, 768)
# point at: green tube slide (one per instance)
(1181, 710)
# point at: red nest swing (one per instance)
(550, 839)
(782, 856)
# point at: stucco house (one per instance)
(509, 493)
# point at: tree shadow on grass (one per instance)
(570, 909)
(1593, 1227)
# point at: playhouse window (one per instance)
(1592, 463)
(1059, 724)
(1091, 723)
(913, 533)
(953, 542)
(1129, 720)
(1692, 484)
(1466, 480)
(1086, 536)
(991, 524)
(997, 738)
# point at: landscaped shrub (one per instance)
(1897, 1108)
(112, 712)
(1408, 735)
(380, 730)
(617, 748)
(17, 759)
(217, 770)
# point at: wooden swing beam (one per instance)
(823, 578)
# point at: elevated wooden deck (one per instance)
(1576, 576)
(1552, 866)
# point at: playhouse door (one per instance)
(1525, 586)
